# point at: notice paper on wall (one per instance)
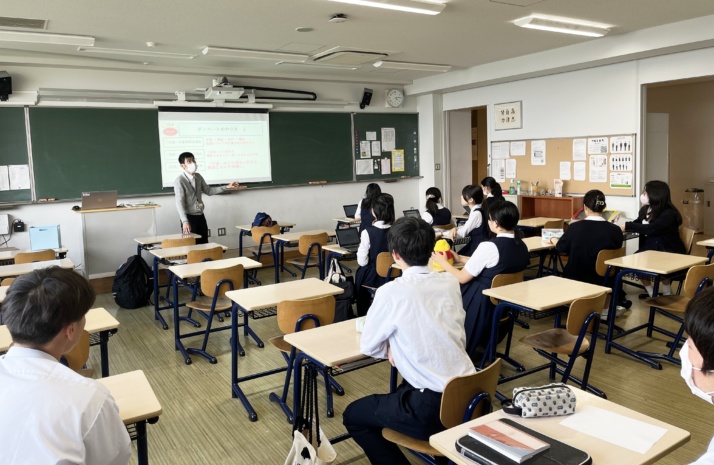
(597, 145)
(621, 180)
(510, 168)
(565, 171)
(518, 148)
(365, 149)
(598, 168)
(498, 170)
(621, 144)
(386, 166)
(376, 148)
(364, 167)
(389, 139)
(397, 160)
(579, 150)
(538, 152)
(4, 178)
(19, 177)
(621, 162)
(371, 135)
(579, 171)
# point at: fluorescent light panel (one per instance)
(411, 6)
(562, 25)
(138, 53)
(411, 66)
(253, 54)
(315, 65)
(45, 38)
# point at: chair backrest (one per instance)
(197, 256)
(444, 227)
(39, 256)
(579, 311)
(257, 232)
(687, 236)
(504, 280)
(290, 311)
(78, 356)
(210, 278)
(184, 241)
(605, 255)
(460, 390)
(7, 281)
(554, 224)
(306, 240)
(695, 276)
(384, 261)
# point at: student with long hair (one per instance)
(435, 213)
(491, 192)
(475, 226)
(364, 207)
(658, 226)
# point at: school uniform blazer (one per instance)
(661, 234)
(582, 242)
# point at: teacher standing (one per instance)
(189, 187)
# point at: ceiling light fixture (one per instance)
(253, 54)
(315, 65)
(138, 53)
(411, 66)
(45, 38)
(563, 25)
(412, 6)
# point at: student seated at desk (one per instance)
(475, 226)
(491, 191)
(373, 241)
(658, 226)
(435, 213)
(416, 321)
(50, 414)
(506, 253)
(364, 208)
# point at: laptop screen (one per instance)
(347, 236)
(350, 210)
(413, 213)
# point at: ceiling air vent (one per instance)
(349, 57)
(24, 23)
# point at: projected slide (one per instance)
(228, 146)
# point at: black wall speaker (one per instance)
(6, 86)
(366, 98)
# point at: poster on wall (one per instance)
(507, 115)
(518, 148)
(579, 170)
(565, 171)
(597, 145)
(498, 170)
(389, 139)
(365, 150)
(364, 167)
(598, 168)
(511, 168)
(376, 148)
(500, 150)
(621, 144)
(621, 162)
(621, 180)
(580, 150)
(538, 152)
(397, 160)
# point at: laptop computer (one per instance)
(412, 213)
(45, 237)
(350, 210)
(348, 238)
(98, 200)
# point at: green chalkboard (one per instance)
(13, 148)
(93, 149)
(406, 127)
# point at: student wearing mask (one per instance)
(491, 192)
(189, 187)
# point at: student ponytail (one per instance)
(595, 201)
(433, 195)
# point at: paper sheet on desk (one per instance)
(616, 429)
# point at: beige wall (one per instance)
(691, 139)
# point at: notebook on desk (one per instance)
(348, 238)
(99, 200)
(412, 213)
(350, 210)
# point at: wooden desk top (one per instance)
(117, 209)
(151, 240)
(294, 236)
(195, 269)
(134, 396)
(601, 451)
(461, 217)
(545, 293)
(98, 319)
(269, 296)
(17, 270)
(537, 222)
(248, 227)
(536, 244)
(657, 262)
(331, 345)
(348, 220)
(706, 243)
(183, 251)
(10, 254)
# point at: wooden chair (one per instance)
(687, 237)
(384, 271)
(464, 398)
(263, 236)
(299, 315)
(214, 285)
(603, 271)
(39, 256)
(168, 244)
(583, 318)
(198, 256)
(7, 281)
(310, 248)
(444, 227)
(554, 224)
(77, 358)
(698, 277)
(508, 321)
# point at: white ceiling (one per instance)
(467, 33)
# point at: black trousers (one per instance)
(409, 411)
(199, 226)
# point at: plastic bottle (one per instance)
(511, 190)
(518, 187)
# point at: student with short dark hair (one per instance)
(475, 226)
(373, 241)
(66, 418)
(364, 207)
(506, 253)
(410, 318)
(435, 213)
(189, 187)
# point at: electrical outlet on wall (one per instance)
(437, 167)
(221, 231)
(209, 233)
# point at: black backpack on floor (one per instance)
(133, 283)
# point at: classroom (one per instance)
(648, 78)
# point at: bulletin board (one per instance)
(609, 163)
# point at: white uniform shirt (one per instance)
(364, 243)
(421, 317)
(708, 457)
(474, 221)
(358, 213)
(426, 216)
(595, 218)
(485, 256)
(52, 415)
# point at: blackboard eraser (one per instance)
(390, 180)
(313, 183)
(51, 199)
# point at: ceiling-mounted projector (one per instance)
(224, 93)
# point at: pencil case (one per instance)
(551, 400)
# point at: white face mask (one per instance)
(644, 200)
(687, 375)
(191, 167)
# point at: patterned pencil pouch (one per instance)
(546, 401)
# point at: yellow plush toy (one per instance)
(443, 247)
